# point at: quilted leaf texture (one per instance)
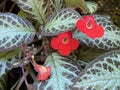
(14, 31)
(110, 39)
(103, 73)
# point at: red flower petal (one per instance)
(96, 32)
(64, 50)
(80, 24)
(90, 18)
(55, 43)
(100, 31)
(44, 73)
(65, 35)
(74, 44)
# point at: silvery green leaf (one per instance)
(56, 5)
(61, 21)
(92, 6)
(110, 39)
(103, 73)
(81, 4)
(6, 59)
(63, 73)
(36, 8)
(14, 30)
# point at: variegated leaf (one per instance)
(110, 39)
(36, 8)
(103, 73)
(56, 5)
(14, 30)
(60, 21)
(77, 4)
(92, 6)
(7, 59)
(63, 73)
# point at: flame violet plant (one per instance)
(51, 56)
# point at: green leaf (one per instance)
(77, 3)
(36, 8)
(60, 21)
(110, 39)
(7, 59)
(56, 5)
(92, 6)
(14, 30)
(103, 73)
(63, 73)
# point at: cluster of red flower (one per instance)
(64, 43)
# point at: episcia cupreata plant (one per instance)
(59, 28)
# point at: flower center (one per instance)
(65, 40)
(89, 25)
(43, 69)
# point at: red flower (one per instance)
(89, 26)
(64, 43)
(43, 72)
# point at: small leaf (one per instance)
(101, 74)
(6, 60)
(56, 5)
(110, 39)
(36, 8)
(14, 30)
(92, 6)
(60, 21)
(77, 3)
(63, 73)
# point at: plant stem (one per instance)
(21, 81)
(24, 76)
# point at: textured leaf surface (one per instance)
(63, 73)
(14, 30)
(77, 3)
(110, 39)
(6, 60)
(101, 74)
(56, 5)
(36, 8)
(60, 21)
(92, 6)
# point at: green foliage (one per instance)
(56, 5)
(103, 73)
(36, 8)
(7, 60)
(92, 7)
(54, 18)
(77, 3)
(88, 54)
(60, 21)
(110, 39)
(14, 30)
(63, 73)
